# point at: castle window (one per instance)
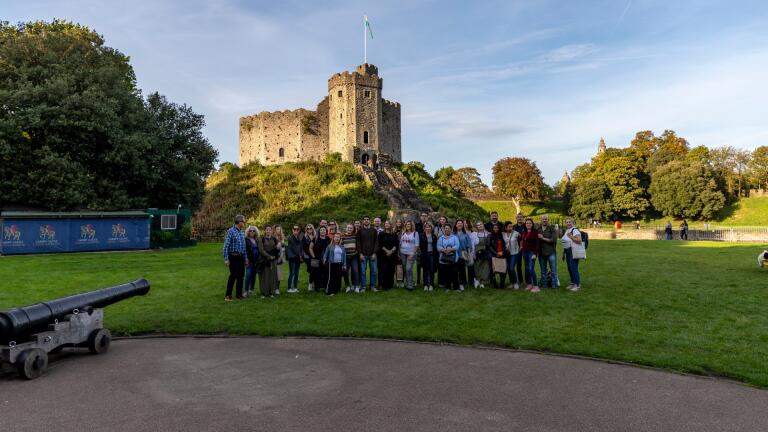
(341, 115)
(281, 152)
(367, 93)
(365, 137)
(339, 93)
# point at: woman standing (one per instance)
(269, 255)
(277, 231)
(684, 230)
(252, 257)
(470, 260)
(409, 245)
(465, 247)
(318, 249)
(482, 265)
(335, 259)
(529, 246)
(352, 274)
(307, 243)
(512, 242)
(294, 254)
(497, 250)
(449, 248)
(387, 258)
(574, 251)
(428, 256)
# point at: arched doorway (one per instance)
(364, 159)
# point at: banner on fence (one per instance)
(29, 236)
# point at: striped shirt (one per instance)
(350, 244)
(234, 242)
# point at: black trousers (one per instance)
(236, 274)
(448, 276)
(519, 269)
(334, 280)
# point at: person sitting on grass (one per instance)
(335, 260)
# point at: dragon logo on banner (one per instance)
(118, 231)
(12, 233)
(87, 232)
(47, 232)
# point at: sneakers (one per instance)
(310, 287)
(426, 287)
(517, 286)
(477, 283)
(461, 288)
(373, 290)
(348, 289)
(431, 288)
(228, 299)
(575, 288)
(293, 291)
(529, 287)
(277, 291)
(535, 289)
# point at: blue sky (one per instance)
(478, 80)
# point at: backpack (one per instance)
(584, 239)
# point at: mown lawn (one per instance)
(694, 307)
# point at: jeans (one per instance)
(250, 278)
(551, 262)
(293, 273)
(512, 261)
(428, 270)
(352, 275)
(573, 267)
(408, 269)
(530, 267)
(363, 272)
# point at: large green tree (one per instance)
(76, 133)
(758, 167)
(686, 189)
(517, 178)
(591, 199)
(465, 180)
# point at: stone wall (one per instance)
(391, 130)
(314, 139)
(272, 137)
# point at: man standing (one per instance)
(377, 225)
(367, 245)
(494, 221)
(520, 228)
(234, 258)
(547, 256)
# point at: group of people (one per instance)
(373, 255)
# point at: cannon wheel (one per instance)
(32, 363)
(99, 340)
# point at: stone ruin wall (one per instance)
(390, 136)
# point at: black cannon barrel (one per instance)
(22, 322)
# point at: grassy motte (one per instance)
(694, 307)
(443, 200)
(300, 192)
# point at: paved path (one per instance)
(241, 384)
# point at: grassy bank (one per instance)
(694, 307)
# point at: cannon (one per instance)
(29, 333)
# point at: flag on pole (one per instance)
(368, 26)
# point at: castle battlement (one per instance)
(352, 119)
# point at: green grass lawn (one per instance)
(693, 307)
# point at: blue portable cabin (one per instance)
(32, 232)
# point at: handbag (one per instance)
(499, 265)
(446, 259)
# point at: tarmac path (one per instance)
(294, 384)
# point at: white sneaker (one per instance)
(431, 288)
(374, 290)
(517, 286)
(461, 287)
(569, 287)
(482, 285)
(292, 291)
(575, 288)
(357, 290)
(426, 287)
(310, 287)
(477, 283)
(348, 289)
(277, 291)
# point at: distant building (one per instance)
(353, 120)
(601, 147)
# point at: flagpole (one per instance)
(365, 42)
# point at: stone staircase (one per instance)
(402, 199)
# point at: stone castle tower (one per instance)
(601, 147)
(353, 120)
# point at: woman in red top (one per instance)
(529, 247)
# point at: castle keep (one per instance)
(353, 120)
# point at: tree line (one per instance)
(653, 175)
(76, 132)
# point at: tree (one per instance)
(591, 199)
(517, 178)
(758, 167)
(444, 175)
(686, 189)
(624, 177)
(465, 181)
(76, 133)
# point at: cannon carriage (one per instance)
(29, 333)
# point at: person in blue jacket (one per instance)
(335, 258)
